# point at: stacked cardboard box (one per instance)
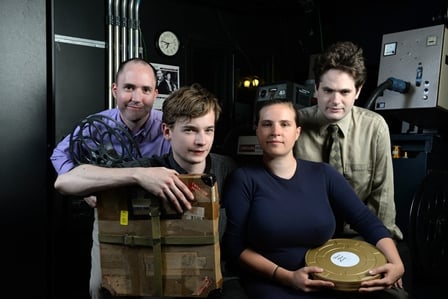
(147, 249)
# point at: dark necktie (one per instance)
(334, 157)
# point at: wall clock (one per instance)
(168, 43)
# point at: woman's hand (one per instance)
(390, 277)
(301, 279)
(391, 272)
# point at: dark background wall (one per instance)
(24, 193)
(46, 87)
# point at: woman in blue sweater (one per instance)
(284, 206)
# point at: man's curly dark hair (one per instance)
(344, 56)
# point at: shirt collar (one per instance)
(174, 165)
(343, 124)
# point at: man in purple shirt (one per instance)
(135, 92)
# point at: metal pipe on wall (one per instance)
(123, 37)
(117, 36)
(131, 22)
(124, 24)
(110, 72)
(137, 30)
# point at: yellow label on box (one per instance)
(124, 217)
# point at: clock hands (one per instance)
(167, 44)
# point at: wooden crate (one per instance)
(147, 249)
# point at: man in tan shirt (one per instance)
(364, 138)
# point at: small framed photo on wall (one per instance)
(167, 82)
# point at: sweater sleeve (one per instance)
(345, 202)
(236, 201)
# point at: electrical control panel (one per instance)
(419, 57)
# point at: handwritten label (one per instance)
(344, 259)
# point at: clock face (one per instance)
(168, 43)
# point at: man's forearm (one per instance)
(86, 179)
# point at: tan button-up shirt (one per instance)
(366, 156)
